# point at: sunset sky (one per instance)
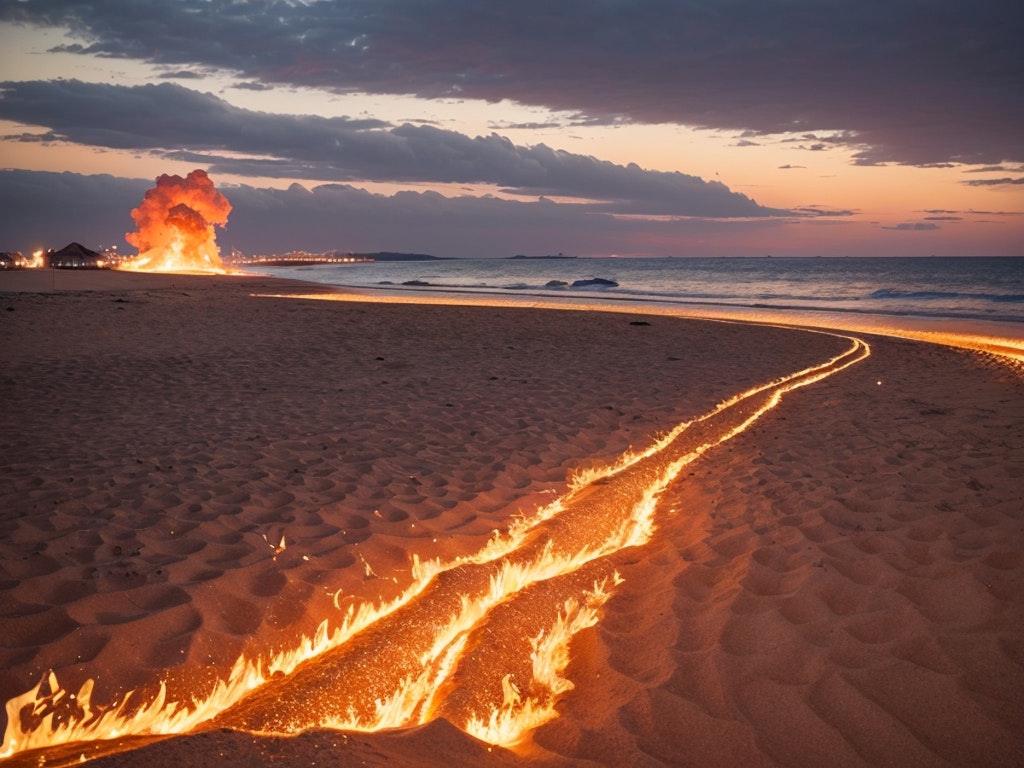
(589, 127)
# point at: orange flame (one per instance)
(175, 221)
(518, 715)
(591, 521)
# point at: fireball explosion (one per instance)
(175, 226)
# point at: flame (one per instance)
(509, 723)
(424, 654)
(176, 226)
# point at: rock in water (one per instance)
(595, 282)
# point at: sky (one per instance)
(468, 128)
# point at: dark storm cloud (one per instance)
(41, 209)
(50, 210)
(201, 128)
(902, 81)
(164, 115)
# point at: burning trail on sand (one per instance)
(482, 641)
(175, 223)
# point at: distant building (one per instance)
(76, 256)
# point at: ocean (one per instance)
(948, 294)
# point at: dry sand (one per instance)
(841, 584)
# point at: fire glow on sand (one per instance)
(430, 652)
(175, 223)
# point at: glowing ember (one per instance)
(429, 653)
(175, 222)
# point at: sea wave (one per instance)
(590, 284)
(891, 293)
(951, 288)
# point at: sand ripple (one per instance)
(187, 477)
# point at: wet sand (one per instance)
(839, 584)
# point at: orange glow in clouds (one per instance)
(175, 221)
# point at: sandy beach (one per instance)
(197, 469)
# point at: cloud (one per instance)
(918, 226)
(533, 126)
(995, 169)
(52, 209)
(252, 87)
(896, 84)
(1005, 181)
(42, 209)
(182, 74)
(821, 211)
(165, 115)
(939, 214)
(790, 167)
(201, 128)
(67, 48)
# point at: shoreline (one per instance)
(955, 330)
(999, 337)
(778, 565)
